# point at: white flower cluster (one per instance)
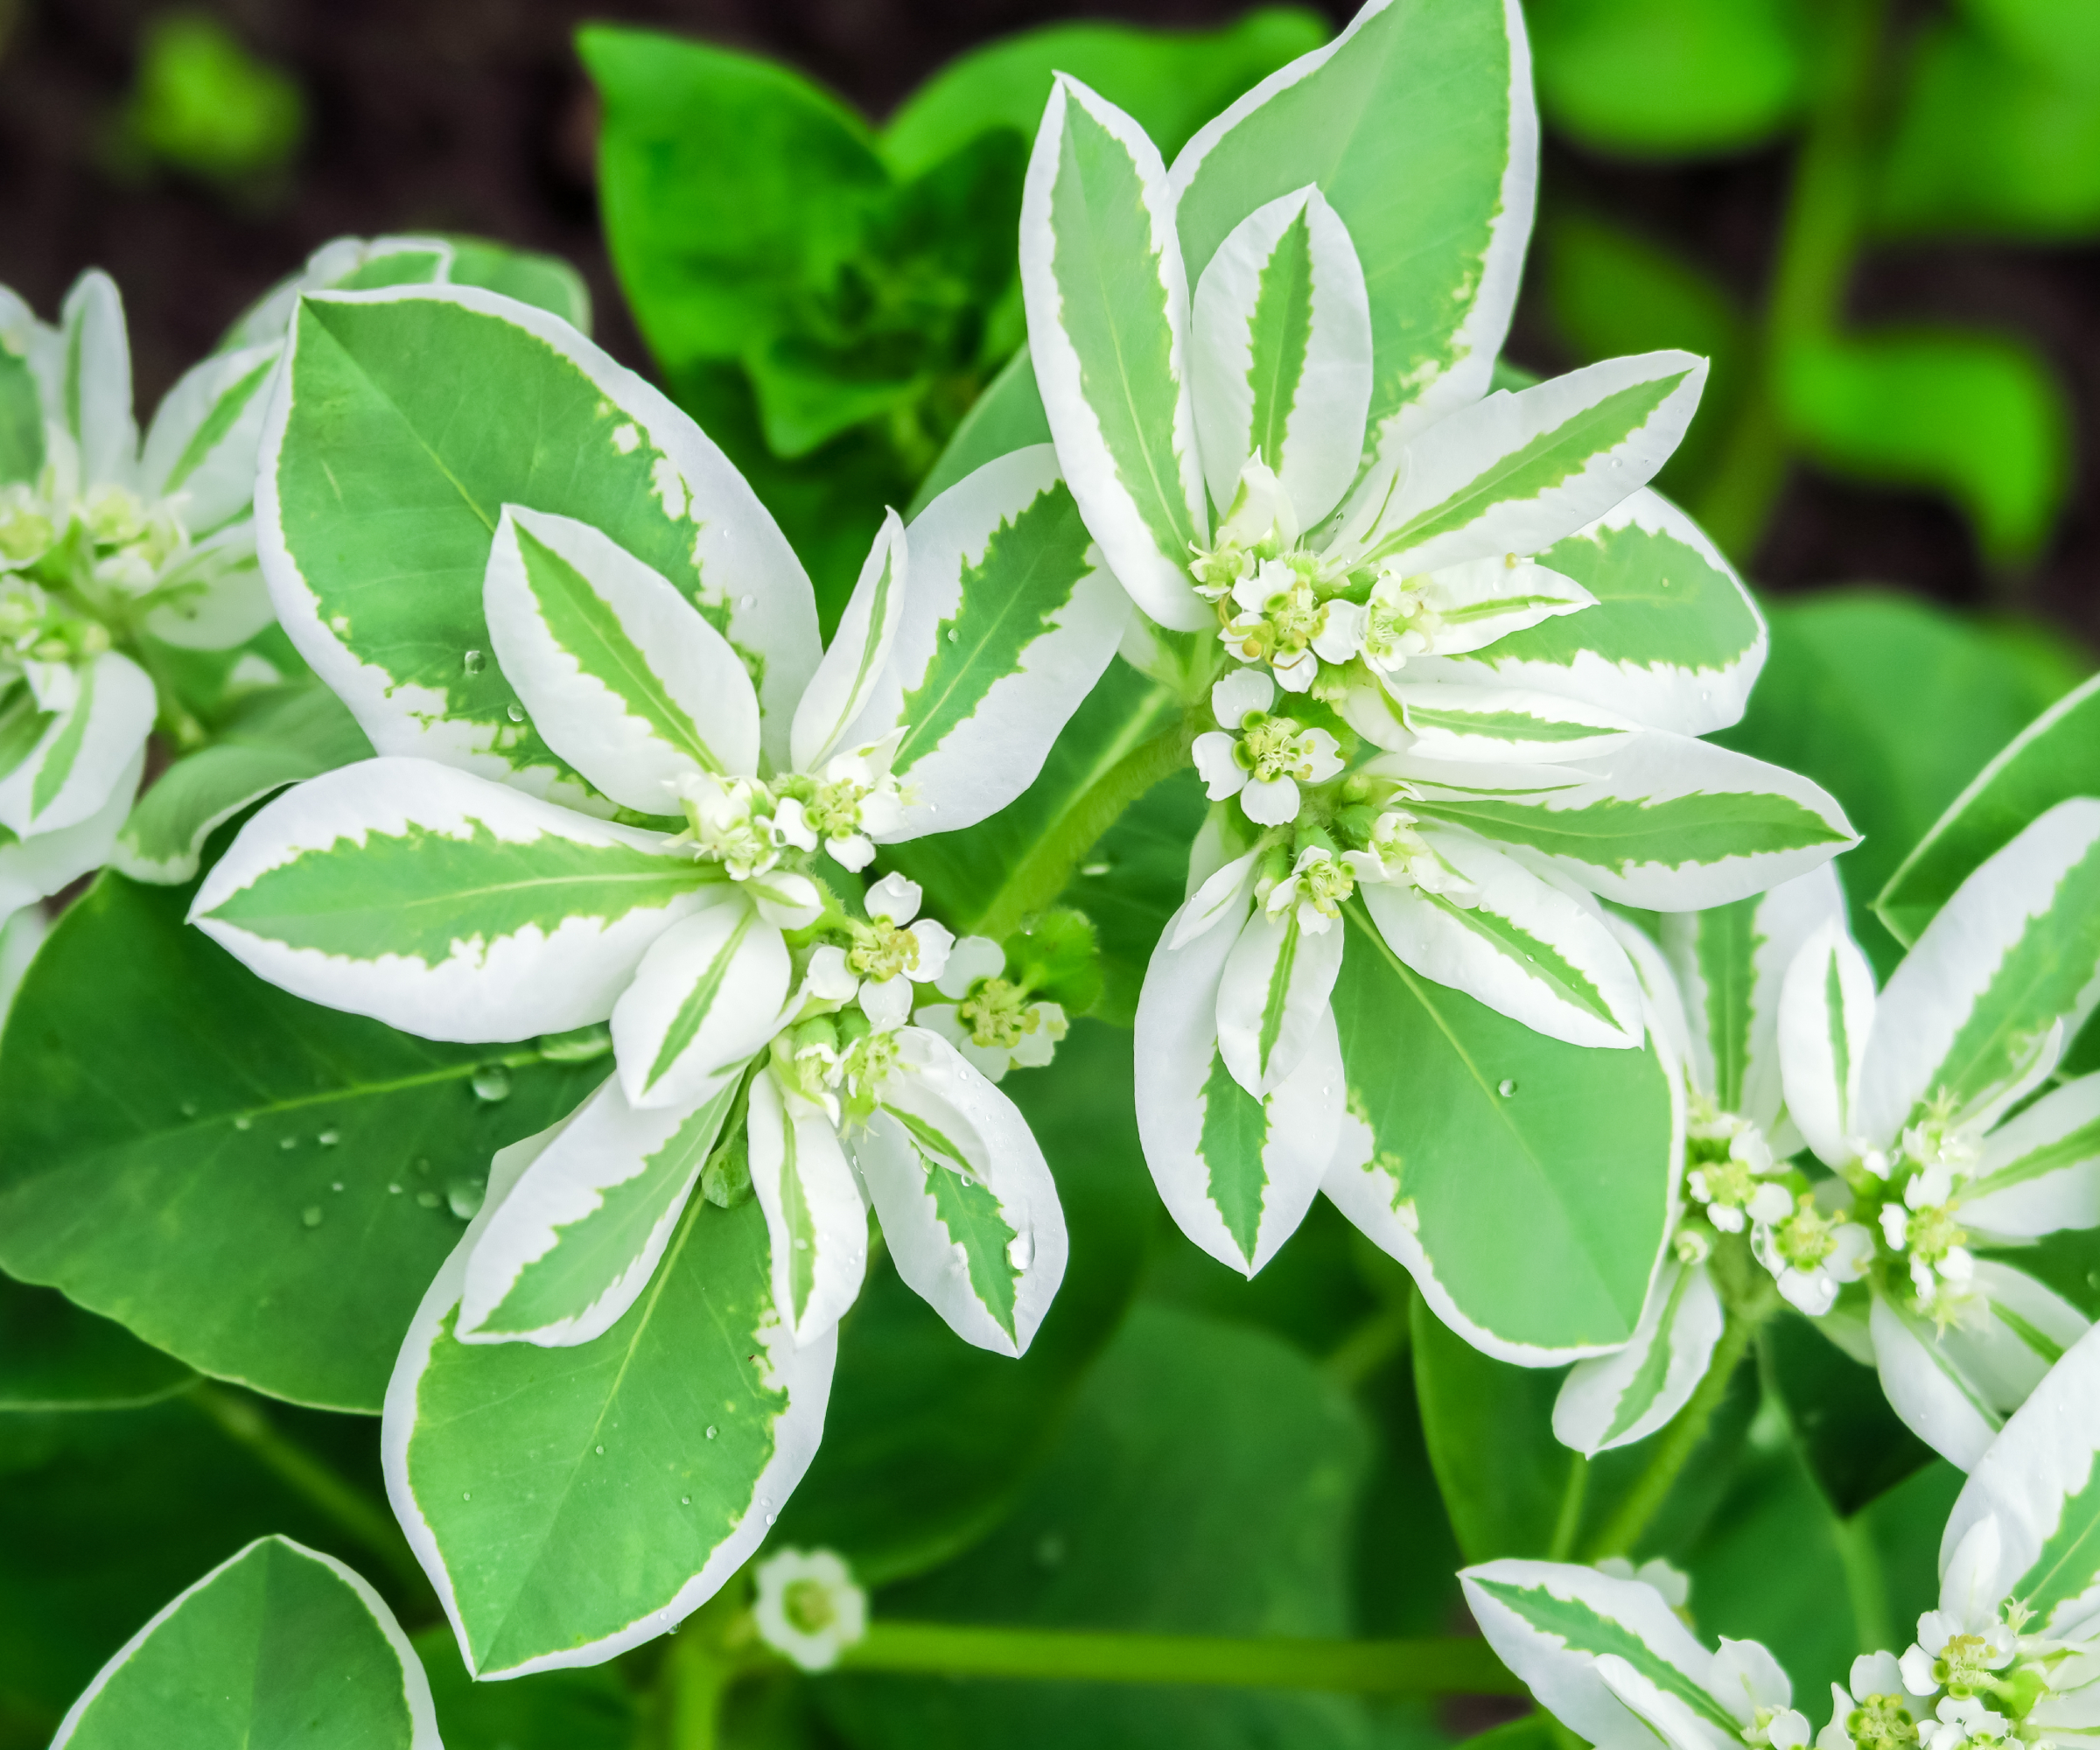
(995, 1023)
(746, 824)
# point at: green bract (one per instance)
(1465, 657)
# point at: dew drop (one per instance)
(802, 1244)
(429, 1200)
(328, 1139)
(243, 1123)
(311, 1215)
(475, 661)
(1021, 1251)
(770, 1518)
(1506, 1088)
(288, 1143)
(711, 1431)
(492, 1082)
(748, 601)
(337, 1185)
(1094, 868)
(601, 1451)
(189, 1109)
(466, 1494)
(515, 712)
(464, 1197)
(394, 1191)
(685, 1500)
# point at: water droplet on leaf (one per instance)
(475, 661)
(311, 1215)
(243, 1122)
(465, 1195)
(189, 1109)
(1506, 1088)
(328, 1139)
(601, 1451)
(429, 1200)
(1021, 1251)
(288, 1143)
(711, 1431)
(492, 1082)
(515, 712)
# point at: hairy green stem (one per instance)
(1624, 1530)
(1046, 871)
(1818, 241)
(348, 1507)
(1415, 1668)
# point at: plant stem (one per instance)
(348, 1508)
(1819, 238)
(698, 1681)
(1381, 1338)
(1046, 871)
(1866, 1582)
(1626, 1528)
(1416, 1668)
(1569, 1522)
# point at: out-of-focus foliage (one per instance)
(827, 298)
(205, 104)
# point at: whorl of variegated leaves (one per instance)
(1429, 735)
(276, 1633)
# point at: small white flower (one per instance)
(1399, 623)
(991, 1022)
(808, 1609)
(1317, 883)
(1262, 760)
(972, 960)
(1963, 1721)
(730, 821)
(1400, 855)
(890, 952)
(1285, 620)
(1810, 1253)
(853, 800)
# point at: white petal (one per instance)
(935, 941)
(1826, 1016)
(853, 665)
(82, 755)
(1224, 897)
(1609, 1401)
(1940, 1407)
(1270, 802)
(814, 1213)
(895, 899)
(886, 1002)
(1273, 1000)
(1240, 692)
(1214, 753)
(706, 995)
(972, 959)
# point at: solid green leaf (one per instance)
(174, 1134)
(1532, 1174)
(54, 1356)
(546, 282)
(277, 1644)
(1838, 702)
(1654, 79)
(588, 1708)
(1975, 416)
(1203, 1484)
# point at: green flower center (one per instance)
(807, 1604)
(1881, 1722)
(998, 1015)
(1270, 748)
(1964, 1666)
(1930, 1233)
(1807, 1237)
(882, 950)
(833, 809)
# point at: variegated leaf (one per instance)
(59, 767)
(852, 668)
(1236, 1173)
(87, 381)
(1665, 823)
(2012, 955)
(1826, 1018)
(568, 1251)
(202, 441)
(443, 904)
(1730, 963)
(1272, 999)
(30, 868)
(1106, 299)
(1007, 622)
(1552, 1622)
(1674, 640)
(1615, 1400)
(1404, 87)
(2040, 1483)
(383, 477)
(815, 1211)
(969, 1212)
(568, 1507)
(1523, 946)
(1936, 1401)
(1441, 721)
(1515, 472)
(707, 995)
(616, 671)
(2040, 1171)
(1280, 354)
(278, 1643)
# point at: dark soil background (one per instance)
(473, 116)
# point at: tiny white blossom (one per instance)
(1399, 855)
(991, 1021)
(1399, 623)
(1810, 1253)
(1262, 760)
(1317, 886)
(808, 1608)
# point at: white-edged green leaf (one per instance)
(707, 995)
(1492, 722)
(351, 263)
(579, 1236)
(1404, 86)
(275, 738)
(1826, 1020)
(1936, 1400)
(1008, 621)
(1550, 1622)
(817, 1213)
(1664, 1710)
(1525, 1183)
(442, 903)
(2040, 1171)
(1236, 1173)
(1665, 823)
(1515, 472)
(1615, 1400)
(392, 443)
(1486, 600)
(852, 668)
(87, 381)
(1730, 963)
(63, 766)
(1272, 999)
(30, 868)
(1280, 354)
(1523, 948)
(571, 1503)
(2019, 1332)
(1663, 1002)
(2014, 953)
(1107, 300)
(1674, 640)
(213, 596)
(202, 441)
(618, 672)
(968, 1209)
(2039, 1482)
(278, 1644)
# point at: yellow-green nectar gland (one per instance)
(832, 807)
(1806, 1237)
(1881, 1722)
(881, 950)
(1963, 1667)
(1273, 747)
(1930, 1233)
(25, 532)
(999, 1014)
